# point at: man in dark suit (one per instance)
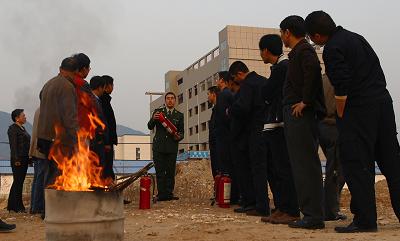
(250, 107)
(165, 147)
(111, 125)
(100, 143)
(222, 125)
(366, 119)
(213, 92)
(280, 176)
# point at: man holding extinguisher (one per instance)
(165, 145)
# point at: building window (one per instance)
(203, 106)
(209, 82)
(197, 129)
(191, 131)
(180, 99)
(203, 86)
(190, 113)
(181, 151)
(196, 147)
(196, 110)
(216, 53)
(137, 153)
(191, 148)
(204, 147)
(180, 81)
(202, 62)
(195, 90)
(190, 93)
(209, 58)
(204, 126)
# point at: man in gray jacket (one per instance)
(58, 108)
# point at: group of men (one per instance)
(268, 131)
(66, 102)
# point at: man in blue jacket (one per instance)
(366, 120)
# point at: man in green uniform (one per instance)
(165, 147)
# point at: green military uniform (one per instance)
(165, 149)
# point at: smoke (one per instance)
(37, 35)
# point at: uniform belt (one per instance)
(271, 126)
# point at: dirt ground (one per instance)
(193, 218)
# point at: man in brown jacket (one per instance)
(58, 108)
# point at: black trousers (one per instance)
(241, 164)
(301, 137)
(215, 167)
(334, 179)
(280, 176)
(108, 171)
(15, 197)
(165, 165)
(224, 157)
(259, 171)
(366, 134)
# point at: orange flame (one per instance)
(79, 166)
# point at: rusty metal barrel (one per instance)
(84, 216)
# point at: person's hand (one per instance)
(297, 109)
(107, 148)
(156, 116)
(17, 163)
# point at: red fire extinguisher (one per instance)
(224, 191)
(217, 179)
(145, 184)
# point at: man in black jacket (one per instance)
(280, 175)
(222, 125)
(212, 94)
(111, 126)
(366, 120)
(250, 107)
(303, 103)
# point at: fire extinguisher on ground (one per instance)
(224, 191)
(145, 185)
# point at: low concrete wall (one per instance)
(6, 182)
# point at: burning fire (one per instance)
(79, 166)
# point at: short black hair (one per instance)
(271, 42)
(295, 24)
(238, 66)
(214, 90)
(83, 60)
(108, 79)
(320, 22)
(97, 82)
(15, 113)
(224, 75)
(69, 64)
(169, 93)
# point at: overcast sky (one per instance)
(136, 42)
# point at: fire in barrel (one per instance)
(79, 205)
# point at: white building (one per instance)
(133, 147)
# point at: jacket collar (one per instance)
(298, 46)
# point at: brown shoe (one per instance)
(274, 215)
(284, 218)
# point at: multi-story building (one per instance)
(133, 147)
(190, 85)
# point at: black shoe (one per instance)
(339, 216)
(307, 224)
(162, 199)
(174, 198)
(5, 227)
(127, 201)
(244, 209)
(352, 228)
